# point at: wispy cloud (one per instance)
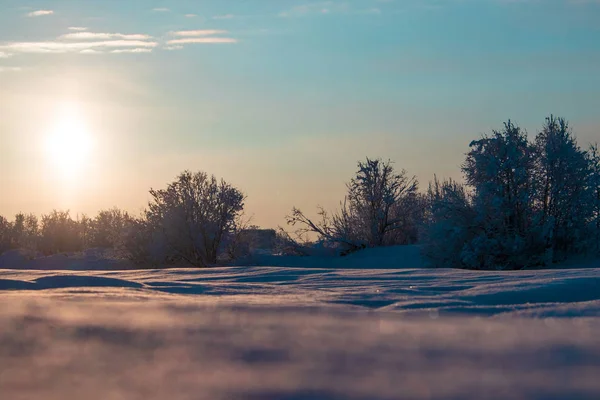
(90, 51)
(191, 15)
(10, 69)
(161, 9)
(225, 16)
(326, 8)
(201, 40)
(136, 50)
(40, 13)
(5, 55)
(200, 32)
(171, 48)
(78, 28)
(104, 36)
(67, 47)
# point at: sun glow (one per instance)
(69, 144)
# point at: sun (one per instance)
(68, 146)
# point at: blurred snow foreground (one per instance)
(373, 325)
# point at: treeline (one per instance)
(194, 221)
(522, 203)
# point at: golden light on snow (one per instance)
(68, 144)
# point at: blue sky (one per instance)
(279, 97)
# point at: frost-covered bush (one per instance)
(382, 207)
(450, 224)
(142, 243)
(193, 215)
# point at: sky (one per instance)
(102, 100)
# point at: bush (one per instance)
(141, 243)
(193, 215)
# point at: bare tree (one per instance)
(379, 202)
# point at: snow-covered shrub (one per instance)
(381, 208)
(450, 225)
(142, 243)
(193, 215)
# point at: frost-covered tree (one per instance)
(594, 197)
(382, 207)
(193, 214)
(561, 172)
(498, 170)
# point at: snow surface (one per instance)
(299, 332)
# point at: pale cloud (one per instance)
(90, 51)
(40, 13)
(137, 50)
(161, 9)
(5, 55)
(171, 48)
(10, 69)
(201, 40)
(78, 28)
(103, 36)
(67, 47)
(191, 15)
(327, 7)
(324, 7)
(201, 32)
